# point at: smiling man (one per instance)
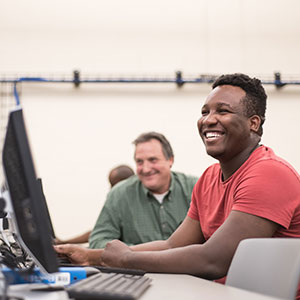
(249, 193)
(149, 205)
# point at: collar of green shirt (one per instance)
(172, 186)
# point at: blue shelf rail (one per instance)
(178, 79)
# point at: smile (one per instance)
(149, 175)
(212, 135)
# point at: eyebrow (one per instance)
(224, 104)
(220, 104)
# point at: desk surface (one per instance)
(179, 286)
(163, 286)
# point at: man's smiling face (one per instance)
(152, 167)
(223, 126)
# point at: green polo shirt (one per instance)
(132, 214)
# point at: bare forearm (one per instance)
(76, 240)
(94, 257)
(84, 238)
(189, 260)
(178, 239)
(151, 246)
(209, 260)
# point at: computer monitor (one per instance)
(40, 185)
(30, 213)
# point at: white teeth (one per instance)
(210, 135)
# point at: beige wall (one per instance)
(78, 135)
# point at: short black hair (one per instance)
(119, 173)
(166, 146)
(256, 97)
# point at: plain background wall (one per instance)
(78, 134)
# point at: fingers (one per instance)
(57, 241)
(113, 243)
(63, 249)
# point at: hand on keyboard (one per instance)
(79, 255)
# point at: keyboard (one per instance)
(109, 286)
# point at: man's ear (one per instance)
(171, 160)
(255, 122)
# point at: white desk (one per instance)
(185, 287)
(163, 286)
(23, 291)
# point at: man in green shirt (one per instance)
(147, 206)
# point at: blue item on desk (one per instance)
(65, 276)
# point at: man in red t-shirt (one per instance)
(250, 193)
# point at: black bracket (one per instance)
(179, 80)
(76, 78)
(278, 83)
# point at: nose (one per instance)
(206, 121)
(146, 167)
(209, 119)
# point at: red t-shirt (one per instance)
(265, 186)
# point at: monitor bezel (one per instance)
(30, 216)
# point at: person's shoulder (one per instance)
(182, 177)
(125, 184)
(125, 187)
(268, 161)
(122, 190)
(210, 174)
(211, 171)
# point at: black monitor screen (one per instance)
(30, 212)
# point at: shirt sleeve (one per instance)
(108, 226)
(270, 190)
(193, 210)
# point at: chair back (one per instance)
(268, 266)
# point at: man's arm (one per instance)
(80, 239)
(209, 260)
(189, 232)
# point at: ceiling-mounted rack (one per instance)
(178, 79)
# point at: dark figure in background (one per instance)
(119, 173)
(116, 175)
